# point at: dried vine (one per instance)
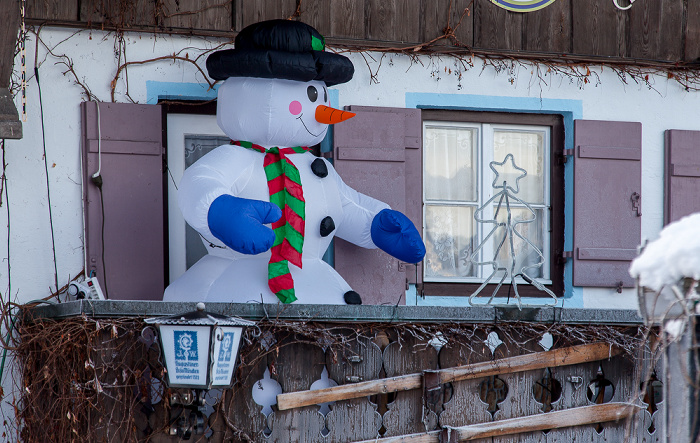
(90, 379)
(448, 45)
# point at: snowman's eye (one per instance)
(325, 95)
(312, 92)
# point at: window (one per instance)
(189, 138)
(459, 151)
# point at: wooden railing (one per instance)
(93, 371)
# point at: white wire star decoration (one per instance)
(496, 182)
(507, 192)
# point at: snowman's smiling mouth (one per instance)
(307, 129)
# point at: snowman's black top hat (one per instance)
(280, 49)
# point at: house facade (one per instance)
(599, 107)
(500, 85)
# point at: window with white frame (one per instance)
(189, 137)
(458, 183)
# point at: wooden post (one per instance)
(538, 360)
(9, 17)
(583, 415)
(10, 126)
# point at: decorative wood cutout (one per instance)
(322, 383)
(493, 391)
(353, 420)
(408, 413)
(547, 391)
(244, 414)
(297, 366)
(265, 392)
(358, 360)
(653, 395)
(464, 408)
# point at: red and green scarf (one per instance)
(284, 185)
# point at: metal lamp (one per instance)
(200, 348)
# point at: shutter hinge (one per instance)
(636, 203)
(564, 153)
(565, 255)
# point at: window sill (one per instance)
(467, 289)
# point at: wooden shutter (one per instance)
(132, 198)
(682, 174)
(378, 153)
(607, 201)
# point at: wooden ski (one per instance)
(580, 416)
(537, 360)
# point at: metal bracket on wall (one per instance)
(636, 203)
(565, 255)
(564, 154)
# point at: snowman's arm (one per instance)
(217, 173)
(370, 223)
(359, 210)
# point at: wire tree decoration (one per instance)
(504, 196)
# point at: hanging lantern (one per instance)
(200, 349)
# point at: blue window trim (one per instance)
(156, 91)
(570, 110)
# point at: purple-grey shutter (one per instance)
(378, 153)
(132, 195)
(682, 174)
(607, 201)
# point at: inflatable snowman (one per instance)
(266, 208)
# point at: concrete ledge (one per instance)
(340, 313)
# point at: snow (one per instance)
(674, 255)
(674, 328)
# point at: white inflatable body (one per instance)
(268, 112)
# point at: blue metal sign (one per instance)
(187, 364)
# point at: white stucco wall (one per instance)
(667, 106)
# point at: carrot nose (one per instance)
(331, 116)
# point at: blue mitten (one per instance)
(240, 223)
(395, 234)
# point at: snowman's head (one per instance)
(272, 112)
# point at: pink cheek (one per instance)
(295, 107)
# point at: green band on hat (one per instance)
(318, 44)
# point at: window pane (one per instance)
(449, 240)
(450, 156)
(525, 255)
(527, 148)
(196, 146)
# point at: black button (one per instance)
(352, 298)
(319, 168)
(327, 226)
